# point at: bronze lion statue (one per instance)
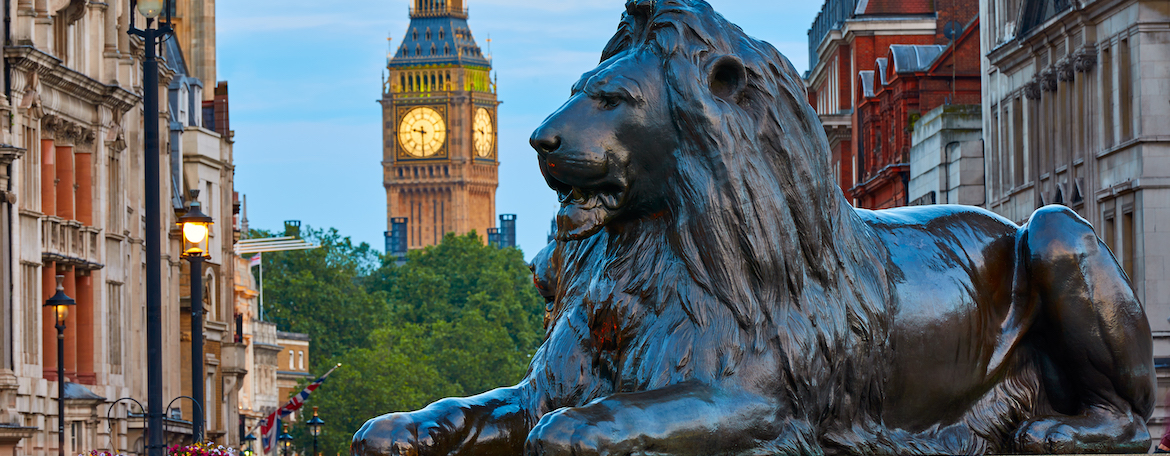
(712, 292)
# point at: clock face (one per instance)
(482, 133)
(422, 132)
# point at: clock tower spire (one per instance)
(439, 153)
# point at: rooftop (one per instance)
(438, 39)
(292, 336)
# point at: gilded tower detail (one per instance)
(439, 130)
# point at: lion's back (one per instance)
(948, 266)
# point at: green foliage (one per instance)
(456, 319)
(320, 292)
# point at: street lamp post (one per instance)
(285, 440)
(60, 304)
(196, 226)
(248, 439)
(315, 424)
(150, 9)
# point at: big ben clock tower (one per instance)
(439, 153)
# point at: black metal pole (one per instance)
(60, 386)
(197, 344)
(314, 444)
(154, 360)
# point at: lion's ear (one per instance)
(727, 78)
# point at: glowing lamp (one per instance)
(196, 226)
(150, 9)
(60, 302)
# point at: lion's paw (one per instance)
(1046, 437)
(564, 433)
(395, 434)
(1088, 433)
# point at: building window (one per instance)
(1019, 172)
(114, 211)
(61, 32)
(75, 436)
(1127, 247)
(30, 179)
(1125, 90)
(301, 360)
(291, 360)
(1110, 234)
(31, 274)
(1107, 95)
(114, 325)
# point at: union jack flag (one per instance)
(270, 427)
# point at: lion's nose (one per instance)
(544, 141)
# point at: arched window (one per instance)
(446, 49)
(414, 34)
(291, 360)
(301, 360)
(428, 33)
(432, 49)
(440, 33)
(418, 49)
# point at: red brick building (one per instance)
(875, 66)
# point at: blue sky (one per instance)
(304, 76)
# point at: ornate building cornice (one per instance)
(52, 71)
(66, 131)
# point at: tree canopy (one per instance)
(455, 319)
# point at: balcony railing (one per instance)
(69, 241)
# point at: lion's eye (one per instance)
(610, 102)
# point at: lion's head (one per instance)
(690, 121)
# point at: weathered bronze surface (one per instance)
(711, 292)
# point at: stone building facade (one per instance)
(1076, 111)
(875, 66)
(72, 203)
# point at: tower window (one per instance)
(428, 33)
(440, 33)
(432, 49)
(418, 49)
(446, 50)
(414, 35)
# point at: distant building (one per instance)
(875, 66)
(1076, 111)
(292, 364)
(504, 236)
(439, 155)
(946, 157)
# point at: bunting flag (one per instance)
(271, 426)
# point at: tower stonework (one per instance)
(439, 158)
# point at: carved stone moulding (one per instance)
(66, 131)
(1032, 89)
(1064, 70)
(1085, 60)
(1048, 81)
